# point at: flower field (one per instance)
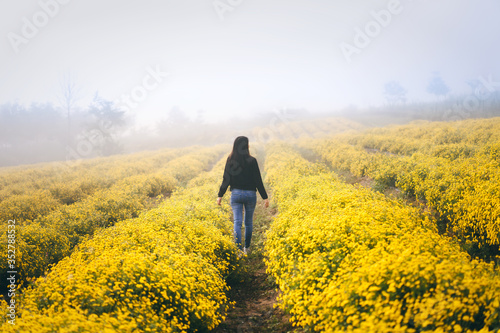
(452, 167)
(50, 223)
(348, 259)
(161, 272)
(136, 243)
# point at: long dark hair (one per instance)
(240, 154)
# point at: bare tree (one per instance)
(69, 96)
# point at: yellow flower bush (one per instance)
(136, 243)
(348, 259)
(163, 271)
(72, 181)
(27, 207)
(25, 190)
(453, 167)
(45, 234)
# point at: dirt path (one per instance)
(253, 291)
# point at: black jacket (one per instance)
(243, 177)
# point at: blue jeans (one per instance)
(240, 199)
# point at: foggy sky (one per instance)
(238, 57)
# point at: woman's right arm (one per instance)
(226, 179)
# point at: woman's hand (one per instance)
(266, 203)
(219, 199)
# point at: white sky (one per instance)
(260, 56)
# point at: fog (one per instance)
(132, 75)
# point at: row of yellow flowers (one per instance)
(30, 192)
(441, 139)
(164, 271)
(459, 179)
(348, 259)
(51, 237)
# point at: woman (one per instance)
(242, 174)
